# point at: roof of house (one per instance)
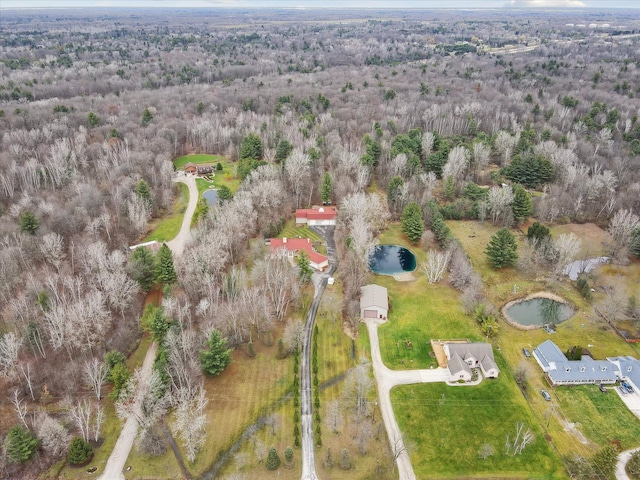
(456, 365)
(629, 367)
(561, 370)
(297, 245)
(476, 350)
(374, 296)
(488, 363)
(190, 165)
(319, 213)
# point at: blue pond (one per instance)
(391, 260)
(211, 196)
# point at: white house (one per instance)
(321, 216)
(472, 355)
(374, 302)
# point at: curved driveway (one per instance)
(386, 379)
(118, 458)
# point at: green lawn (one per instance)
(225, 177)
(446, 427)
(167, 227)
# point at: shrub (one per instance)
(20, 444)
(273, 460)
(80, 452)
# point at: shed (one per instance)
(374, 302)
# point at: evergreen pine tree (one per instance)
(251, 147)
(144, 193)
(147, 116)
(283, 151)
(326, 190)
(304, 267)
(522, 205)
(165, 272)
(141, 267)
(93, 119)
(634, 244)
(273, 460)
(29, 223)
(217, 356)
(449, 188)
(502, 250)
(80, 452)
(288, 455)
(20, 444)
(412, 224)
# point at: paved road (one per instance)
(118, 458)
(306, 410)
(386, 379)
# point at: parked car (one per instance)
(627, 387)
(546, 395)
(602, 388)
(526, 352)
(622, 390)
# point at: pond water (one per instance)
(211, 196)
(539, 311)
(391, 260)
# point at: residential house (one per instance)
(628, 369)
(559, 370)
(458, 369)
(317, 216)
(374, 302)
(205, 170)
(292, 247)
(473, 355)
(190, 168)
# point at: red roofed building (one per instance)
(316, 216)
(292, 246)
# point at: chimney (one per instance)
(284, 240)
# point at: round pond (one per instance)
(391, 260)
(539, 311)
(211, 196)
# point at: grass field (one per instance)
(167, 227)
(199, 158)
(445, 428)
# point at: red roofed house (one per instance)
(292, 246)
(316, 216)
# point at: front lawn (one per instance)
(226, 176)
(446, 428)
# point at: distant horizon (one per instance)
(325, 4)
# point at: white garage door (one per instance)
(370, 314)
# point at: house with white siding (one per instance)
(463, 357)
(291, 248)
(316, 216)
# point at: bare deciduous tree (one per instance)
(53, 435)
(436, 265)
(96, 373)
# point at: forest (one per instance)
(488, 116)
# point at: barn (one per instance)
(374, 302)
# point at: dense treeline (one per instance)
(418, 106)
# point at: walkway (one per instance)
(632, 401)
(118, 458)
(386, 379)
(306, 410)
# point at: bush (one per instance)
(584, 288)
(80, 452)
(633, 466)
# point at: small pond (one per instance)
(391, 260)
(539, 311)
(211, 196)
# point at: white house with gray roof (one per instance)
(374, 302)
(562, 371)
(463, 357)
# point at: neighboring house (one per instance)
(190, 168)
(562, 371)
(374, 302)
(293, 246)
(473, 355)
(316, 216)
(205, 170)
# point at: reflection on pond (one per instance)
(391, 260)
(539, 311)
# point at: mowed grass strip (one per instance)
(168, 227)
(290, 230)
(198, 158)
(447, 427)
(248, 388)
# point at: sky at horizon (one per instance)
(394, 4)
